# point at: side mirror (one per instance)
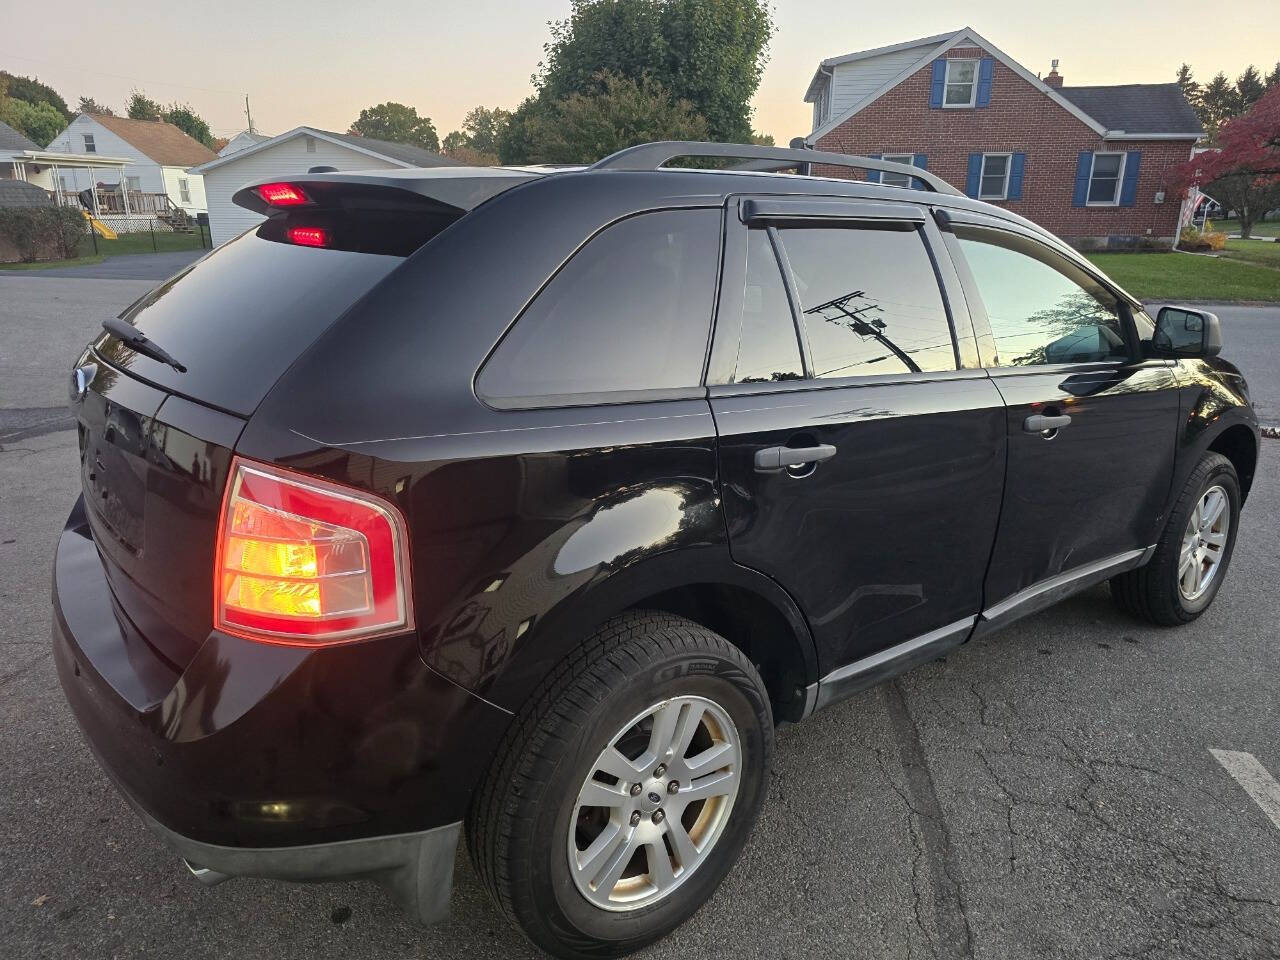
(1183, 332)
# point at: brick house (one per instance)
(1087, 163)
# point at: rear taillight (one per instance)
(308, 236)
(302, 560)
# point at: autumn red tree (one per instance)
(1243, 172)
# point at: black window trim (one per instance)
(772, 211)
(600, 398)
(978, 308)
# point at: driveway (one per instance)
(1048, 791)
(136, 266)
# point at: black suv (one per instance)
(529, 501)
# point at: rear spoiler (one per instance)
(455, 190)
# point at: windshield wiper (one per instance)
(132, 337)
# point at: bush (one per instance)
(1197, 240)
(54, 232)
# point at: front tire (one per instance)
(625, 789)
(1190, 562)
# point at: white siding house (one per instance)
(242, 141)
(290, 154)
(161, 155)
(841, 82)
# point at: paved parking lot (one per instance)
(1046, 792)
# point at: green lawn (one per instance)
(141, 243)
(1182, 276)
(46, 264)
(1269, 229)
(1265, 252)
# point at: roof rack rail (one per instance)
(652, 156)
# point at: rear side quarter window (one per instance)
(627, 318)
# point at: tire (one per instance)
(1153, 592)
(518, 831)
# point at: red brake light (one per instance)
(308, 236)
(305, 561)
(282, 195)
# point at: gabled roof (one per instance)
(826, 65)
(401, 154)
(159, 141)
(11, 139)
(932, 47)
(1138, 108)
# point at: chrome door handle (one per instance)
(772, 459)
(1039, 423)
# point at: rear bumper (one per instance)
(272, 761)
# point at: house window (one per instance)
(1104, 179)
(89, 145)
(994, 184)
(134, 183)
(897, 179)
(183, 192)
(961, 83)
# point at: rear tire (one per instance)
(535, 820)
(1190, 562)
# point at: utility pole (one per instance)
(247, 114)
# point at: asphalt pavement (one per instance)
(1045, 792)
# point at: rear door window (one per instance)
(627, 318)
(869, 300)
(768, 350)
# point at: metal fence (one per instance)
(138, 233)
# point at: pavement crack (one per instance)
(954, 934)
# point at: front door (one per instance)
(1091, 426)
(861, 449)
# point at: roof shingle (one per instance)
(11, 139)
(405, 152)
(162, 142)
(1138, 108)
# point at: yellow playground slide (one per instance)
(100, 228)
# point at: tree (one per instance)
(1190, 89)
(1273, 78)
(619, 112)
(142, 107)
(1243, 173)
(89, 105)
(708, 52)
(32, 91)
(483, 127)
(189, 122)
(1218, 103)
(39, 122)
(455, 141)
(397, 123)
(1249, 88)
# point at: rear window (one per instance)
(629, 314)
(238, 318)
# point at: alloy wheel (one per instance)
(1204, 543)
(654, 804)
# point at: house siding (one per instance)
(1020, 118)
(152, 177)
(227, 221)
(851, 82)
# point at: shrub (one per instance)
(51, 231)
(1197, 240)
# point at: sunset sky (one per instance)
(319, 62)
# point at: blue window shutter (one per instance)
(1129, 188)
(938, 83)
(1016, 164)
(1083, 166)
(921, 161)
(975, 174)
(873, 176)
(986, 67)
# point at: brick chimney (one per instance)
(1054, 79)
